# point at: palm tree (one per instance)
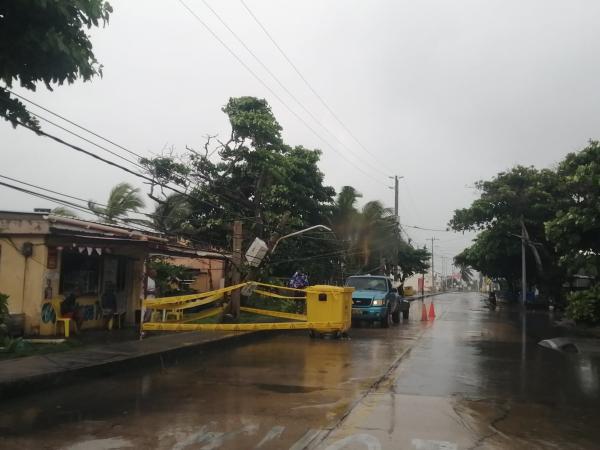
(369, 235)
(345, 216)
(171, 215)
(123, 199)
(466, 273)
(378, 236)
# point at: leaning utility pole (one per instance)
(236, 261)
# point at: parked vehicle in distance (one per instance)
(375, 300)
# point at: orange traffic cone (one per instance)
(423, 311)
(431, 311)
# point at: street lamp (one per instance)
(296, 233)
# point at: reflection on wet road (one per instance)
(467, 380)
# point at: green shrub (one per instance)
(4, 315)
(584, 306)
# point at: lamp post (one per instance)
(296, 233)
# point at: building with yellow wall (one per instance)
(44, 257)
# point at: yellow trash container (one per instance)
(331, 305)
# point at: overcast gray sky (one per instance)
(442, 92)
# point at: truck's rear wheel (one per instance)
(387, 320)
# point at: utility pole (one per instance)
(396, 178)
(236, 261)
(443, 284)
(523, 265)
(396, 198)
(432, 272)
(396, 213)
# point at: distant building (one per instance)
(415, 283)
(44, 257)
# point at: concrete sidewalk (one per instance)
(41, 371)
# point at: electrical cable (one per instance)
(111, 163)
(266, 86)
(87, 210)
(278, 81)
(246, 218)
(87, 140)
(310, 87)
(73, 123)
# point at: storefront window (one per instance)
(79, 270)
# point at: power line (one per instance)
(266, 86)
(112, 163)
(88, 141)
(113, 143)
(323, 102)
(73, 123)
(278, 81)
(46, 189)
(84, 209)
(318, 256)
(144, 177)
(87, 209)
(151, 180)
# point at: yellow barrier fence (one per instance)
(167, 326)
(332, 316)
(176, 302)
(270, 312)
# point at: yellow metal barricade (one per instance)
(328, 310)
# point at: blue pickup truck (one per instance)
(375, 300)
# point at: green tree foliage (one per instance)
(254, 176)
(378, 237)
(466, 274)
(575, 230)
(345, 218)
(497, 254)
(168, 276)
(523, 195)
(370, 236)
(123, 199)
(412, 261)
(584, 306)
(4, 314)
(172, 215)
(46, 41)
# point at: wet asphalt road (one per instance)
(473, 378)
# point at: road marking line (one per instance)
(427, 444)
(303, 442)
(368, 440)
(274, 433)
